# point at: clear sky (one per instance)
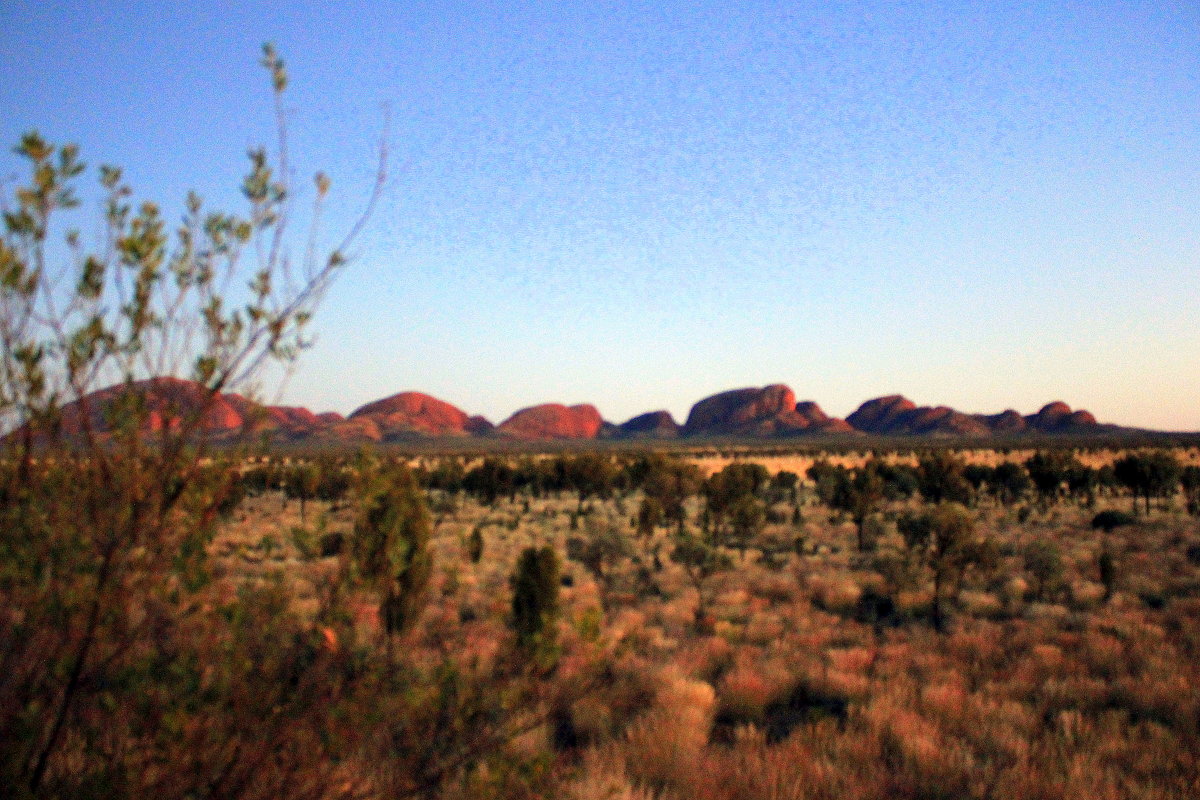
(975, 204)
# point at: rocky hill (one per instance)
(651, 425)
(411, 414)
(769, 411)
(895, 415)
(553, 421)
(756, 412)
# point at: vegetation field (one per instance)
(636, 625)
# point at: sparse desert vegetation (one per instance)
(205, 596)
(623, 625)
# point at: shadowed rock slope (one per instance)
(769, 411)
(895, 415)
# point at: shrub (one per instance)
(1110, 520)
(331, 544)
(112, 682)
(535, 596)
(391, 542)
(1043, 561)
(475, 544)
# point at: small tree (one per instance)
(301, 482)
(489, 480)
(942, 541)
(603, 545)
(865, 496)
(590, 475)
(1155, 474)
(978, 476)
(1043, 560)
(940, 476)
(725, 489)
(747, 518)
(535, 598)
(650, 515)
(1010, 481)
(700, 560)
(391, 543)
(113, 358)
(832, 482)
(1109, 520)
(1107, 566)
(1049, 471)
(475, 544)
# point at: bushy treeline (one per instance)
(1045, 478)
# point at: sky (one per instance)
(983, 205)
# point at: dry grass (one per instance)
(794, 693)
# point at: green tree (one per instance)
(1010, 481)
(832, 482)
(590, 475)
(535, 598)
(1043, 560)
(1050, 471)
(978, 476)
(1153, 474)
(108, 500)
(475, 544)
(1107, 567)
(670, 482)
(747, 518)
(940, 477)
(942, 540)
(301, 482)
(1189, 478)
(867, 493)
(489, 480)
(700, 560)
(603, 545)
(391, 542)
(650, 515)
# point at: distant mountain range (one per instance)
(768, 412)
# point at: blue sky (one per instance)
(638, 204)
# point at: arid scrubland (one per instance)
(753, 634)
(182, 616)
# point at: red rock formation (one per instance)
(287, 423)
(1007, 421)
(897, 415)
(169, 402)
(553, 421)
(1057, 417)
(362, 429)
(769, 411)
(752, 412)
(1081, 419)
(943, 420)
(817, 421)
(293, 417)
(729, 412)
(882, 414)
(652, 425)
(410, 413)
(479, 426)
(173, 401)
